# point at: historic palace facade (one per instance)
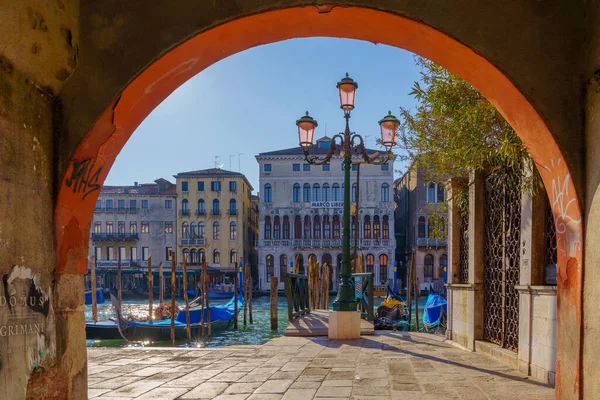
(300, 211)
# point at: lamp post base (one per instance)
(344, 325)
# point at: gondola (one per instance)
(102, 330)
(134, 331)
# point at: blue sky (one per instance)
(248, 103)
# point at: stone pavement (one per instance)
(389, 365)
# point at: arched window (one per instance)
(386, 227)
(270, 266)
(297, 227)
(194, 230)
(216, 257)
(443, 263)
(233, 257)
(276, 228)
(201, 209)
(232, 207)
(201, 230)
(296, 193)
(383, 268)
(186, 254)
(354, 190)
(336, 227)
(216, 209)
(385, 192)
(286, 227)
(431, 193)
(268, 193)
(306, 192)
(306, 227)
(367, 227)
(326, 227)
(216, 231)
(201, 255)
(233, 231)
(370, 261)
(325, 192)
(376, 228)
(335, 192)
(317, 227)
(354, 226)
(282, 266)
(193, 257)
(316, 192)
(421, 227)
(299, 264)
(268, 227)
(441, 193)
(428, 267)
(185, 230)
(185, 205)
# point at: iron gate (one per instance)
(501, 260)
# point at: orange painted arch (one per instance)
(104, 141)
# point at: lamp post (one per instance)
(350, 145)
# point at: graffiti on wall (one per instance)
(84, 177)
(27, 334)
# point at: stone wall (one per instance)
(460, 317)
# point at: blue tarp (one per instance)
(433, 309)
(99, 297)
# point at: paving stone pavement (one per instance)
(389, 365)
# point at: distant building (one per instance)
(134, 222)
(300, 211)
(214, 219)
(416, 200)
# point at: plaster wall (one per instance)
(35, 316)
(591, 286)
(543, 337)
(460, 317)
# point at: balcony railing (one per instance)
(216, 213)
(184, 212)
(192, 242)
(233, 212)
(109, 209)
(121, 210)
(114, 237)
(200, 212)
(430, 242)
(321, 243)
(132, 210)
(98, 209)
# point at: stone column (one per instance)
(453, 250)
(476, 258)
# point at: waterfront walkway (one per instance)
(390, 365)
(316, 323)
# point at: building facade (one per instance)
(214, 218)
(134, 223)
(300, 209)
(417, 201)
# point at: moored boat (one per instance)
(102, 330)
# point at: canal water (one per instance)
(253, 334)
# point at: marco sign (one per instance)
(327, 204)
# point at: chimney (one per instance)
(135, 184)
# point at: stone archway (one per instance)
(96, 151)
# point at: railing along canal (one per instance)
(296, 291)
(363, 290)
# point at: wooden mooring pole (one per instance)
(93, 278)
(416, 281)
(150, 288)
(119, 298)
(187, 304)
(245, 288)
(203, 292)
(274, 287)
(161, 283)
(173, 300)
(235, 295)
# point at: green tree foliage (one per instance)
(453, 130)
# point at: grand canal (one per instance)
(252, 334)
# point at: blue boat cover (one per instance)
(433, 309)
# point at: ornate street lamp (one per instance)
(347, 145)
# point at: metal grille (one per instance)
(463, 276)
(551, 254)
(501, 273)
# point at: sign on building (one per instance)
(112, 263)
(327, 204)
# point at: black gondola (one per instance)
(102, 330)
